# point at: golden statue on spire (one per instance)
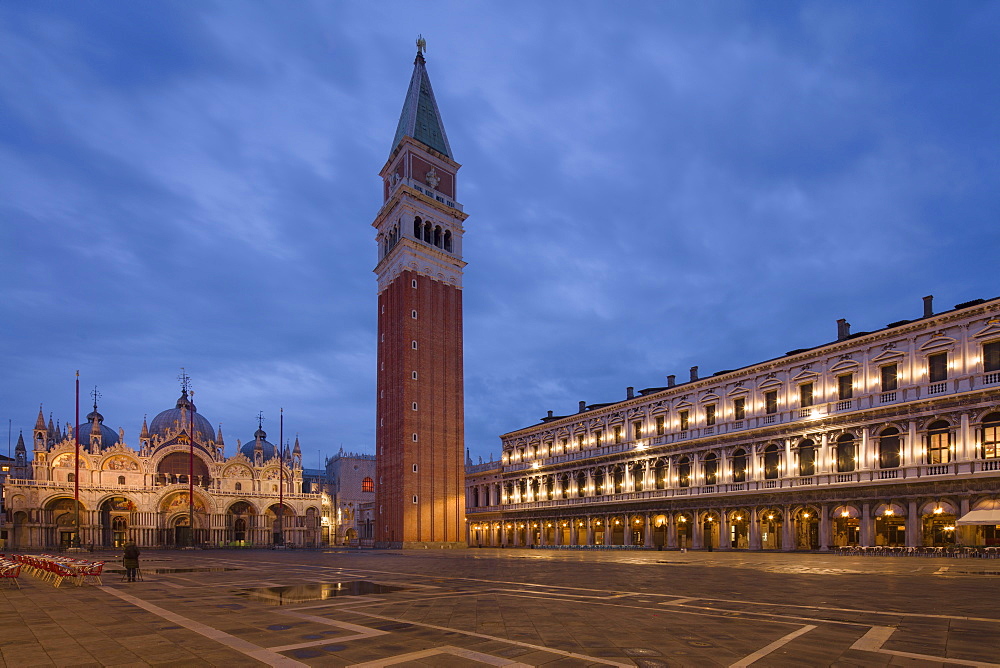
(421, 44)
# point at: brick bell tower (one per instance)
(420, 430)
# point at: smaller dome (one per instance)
(109, 437)
(268, 449)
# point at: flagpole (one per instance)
(281, 477)
(76, 464)
(191, 466)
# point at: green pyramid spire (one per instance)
(420, 118)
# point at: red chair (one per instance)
(11, 572)
(92, 571)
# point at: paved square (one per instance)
(484, 607)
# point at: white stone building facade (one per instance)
(886, 438)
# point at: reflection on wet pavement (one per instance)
(315, 592)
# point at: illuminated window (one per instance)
(710, 415)
(991, 436)
(806, 395)
(771, 402)
(579, 441)
(598, 437)
(938, 442)
(618, 435)
(637, 430)
(684, 420)
(845, 386)
(739, 408)
(660, 426)
(937, 367)
(367, 485)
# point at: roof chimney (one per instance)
(583, 406)
(630, 392)
(671, 380)
(928, 306)
(549, 415)
(843, 329)
(694, 373)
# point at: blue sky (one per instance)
(650, 186)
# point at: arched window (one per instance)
(581, 484)
(417, 226)
(367, 485)
(684, 472)
(438, 237)
(660, 473)
(550, 487)
(565, 485)
(711, 469)
(991, 436)
(619, 480)
(807, 458)
(475, 497)
(638, 472)
(739, 465)
(534, 489)
(889, 444)
(121, 480)
(428, 233)
(847, 453)
(239, 487)
(599, 485)
(447, 240)
(938, 442)
(772, 462)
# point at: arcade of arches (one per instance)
(820, 526)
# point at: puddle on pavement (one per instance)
(319, 591)
(163, 571)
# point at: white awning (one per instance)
(980, 517)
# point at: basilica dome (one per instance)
(108, 436)
(268, 449)
(167, 424)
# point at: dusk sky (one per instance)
(651, 186)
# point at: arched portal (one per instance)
(239, 518)
(739, 529)
(115, 513)
(807, 529)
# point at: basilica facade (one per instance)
(176, 487)
(877, 440)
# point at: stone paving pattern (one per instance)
(511, 607)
